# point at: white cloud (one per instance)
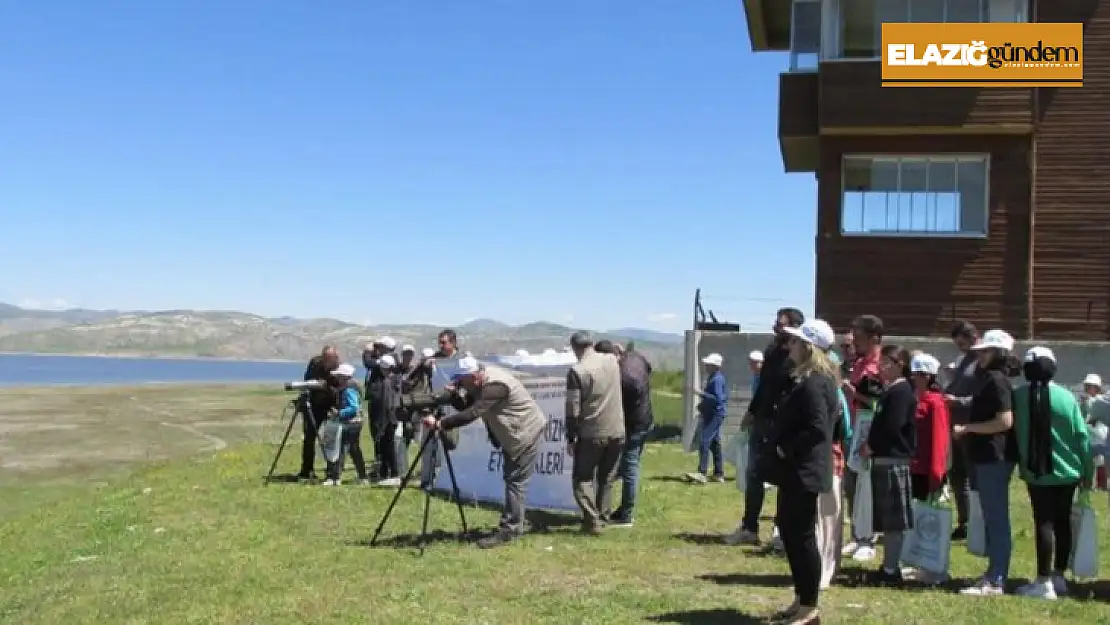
(665, 317)
(56, 303)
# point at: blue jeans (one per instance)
(993, 482)
(754, 491)
(711, 444)
(629, 472)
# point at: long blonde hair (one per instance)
(816, 361)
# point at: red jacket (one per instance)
(931, 459)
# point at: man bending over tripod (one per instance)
(319, 368)
(515, 422)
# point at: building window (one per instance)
(805, 35)
(943, 196)
(859, 29)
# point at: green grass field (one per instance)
(129, 520)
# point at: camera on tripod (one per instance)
(423, 401)
(307, 385)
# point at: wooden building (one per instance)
(990, 204)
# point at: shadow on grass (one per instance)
(766, 580)
(701, 539)
(1097, 590)
(665, 433)
(281, 478)
(412, 541)
(718, 616)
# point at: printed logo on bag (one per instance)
(928, 527)
(982, 55)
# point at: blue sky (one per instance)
(578, 161)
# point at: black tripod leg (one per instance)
(455, 489)
(281, 448)
(404, 483)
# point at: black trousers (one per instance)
(797, 521)
(385, 450)
(308, 446)
(960, 478)
(349, 444)
(1052, 520)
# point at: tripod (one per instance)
(434, 435)
(306, 414)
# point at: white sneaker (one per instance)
(1040, 589)
(849, 549)
(1059, 585)
(983, 588)
(389, 482)
(865, 553)
(742, 537)
(331, 482)
(697, 478)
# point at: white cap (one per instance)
(427, 352)
(387, 342)
(924, 363)
(815, 332)
(1040, 352)
(756, 356)
(344, 370)
(468, 365)
(387, 362)
(521, 352)
(998, 339)
(714, 359)
(1093, 379)
(408, 348)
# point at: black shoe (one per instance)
(497, 539)
(960, 533)
(620, 519)
(882, 577)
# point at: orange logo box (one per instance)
(983, 55)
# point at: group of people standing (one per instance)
(817, 425)
(389, 371)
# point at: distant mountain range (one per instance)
(229, 334)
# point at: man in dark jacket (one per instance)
(638, 421)
(958, 394)
(321, 400)
(774, 380)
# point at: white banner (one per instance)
(478, 464)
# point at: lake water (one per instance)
(38, 370)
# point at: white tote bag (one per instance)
(863, 513)
(928, 545)
(976, 527)
(830, 532)
(737, 455)
(331, 438)
(400, 448)
(859, 437)
(1084, 532)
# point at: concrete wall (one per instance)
(1075, 360)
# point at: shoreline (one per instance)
(134, 356)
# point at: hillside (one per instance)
(224, 334)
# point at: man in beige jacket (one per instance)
(595, 429)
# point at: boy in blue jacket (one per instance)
(348, 413)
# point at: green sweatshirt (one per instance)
(1071, 447)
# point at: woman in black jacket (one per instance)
(802, 461)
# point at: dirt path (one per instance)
(215, 443)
